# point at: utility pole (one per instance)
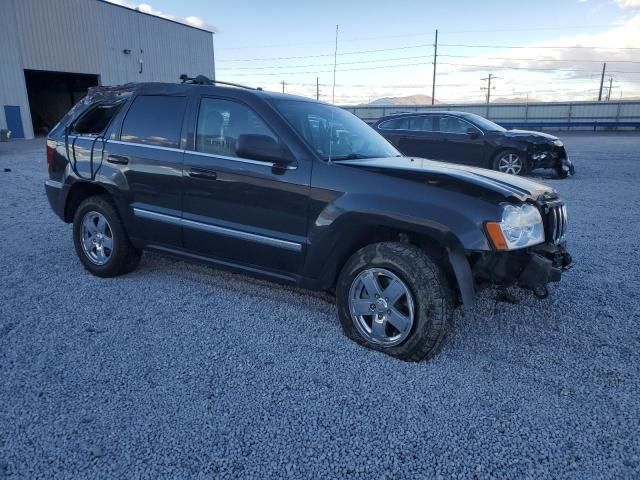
(604, 67)
(488, 87)
(610, 87)
(317, 88)
(435, 59)
(335, 64)
(283, 84)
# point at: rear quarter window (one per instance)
(395, 124)
(154, 120)
(96, 120)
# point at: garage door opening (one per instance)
(52, 94)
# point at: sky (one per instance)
(385, 48)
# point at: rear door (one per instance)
(242, 210)
(148, 154)
(394, 130)
(420, 140)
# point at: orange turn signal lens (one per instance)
(496, 236)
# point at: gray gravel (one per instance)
(182, 371)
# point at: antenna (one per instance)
(335, 63)
(435, 61)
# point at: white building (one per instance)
(51, 51)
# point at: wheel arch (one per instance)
(78, 192)
(442, 246)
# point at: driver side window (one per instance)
(221, 122)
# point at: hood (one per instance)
(460, 177)
(529, 135)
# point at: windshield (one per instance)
(334, 133)
(484, 124)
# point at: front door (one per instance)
(457, 144)
(245, 211)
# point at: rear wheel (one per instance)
(511, 162)
(394, 298)
(100, 239)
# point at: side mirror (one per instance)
(261, 147)
(473, 133)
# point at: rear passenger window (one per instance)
(421, 124)
(96, 120)
(154, 120)
(221, 122)
(395, 124)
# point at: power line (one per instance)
(533, 48)
(325, 64)
(504, 67)
(479, 67)
(422, 45)
(420, 34)
(540, 59)
(324, 54)
(360, 62)
(331, 71)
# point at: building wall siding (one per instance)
(89, 36)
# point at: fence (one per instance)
(624, 114)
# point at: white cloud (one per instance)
(557, 71)
(146, 8)
(628, 3)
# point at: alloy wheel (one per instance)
(510, 163)
(96, 238)
(381, 306)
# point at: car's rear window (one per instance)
(154, 120)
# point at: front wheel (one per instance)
(100, 239)
(511, 162)
(394, 298)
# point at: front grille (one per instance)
(556, 223)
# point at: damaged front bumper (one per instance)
(532, 268)
(551, 156)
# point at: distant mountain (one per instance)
(409, 100)
(515, 100)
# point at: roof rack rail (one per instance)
(202, 80)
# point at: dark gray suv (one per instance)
(299, 192)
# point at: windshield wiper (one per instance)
(352, 156)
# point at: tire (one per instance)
(427, 291)
(100, 240)
(504, 162)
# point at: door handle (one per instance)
(203, 173)
(118, 159)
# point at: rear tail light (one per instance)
(51, 150)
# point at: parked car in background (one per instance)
(299, 192)
(470, 139)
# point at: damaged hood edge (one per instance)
(419, 168)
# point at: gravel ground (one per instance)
(182, 371)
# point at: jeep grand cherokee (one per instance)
(299, 192)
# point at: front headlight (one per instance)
(520, 227)
(558, 143)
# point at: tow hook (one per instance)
(541, 292)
